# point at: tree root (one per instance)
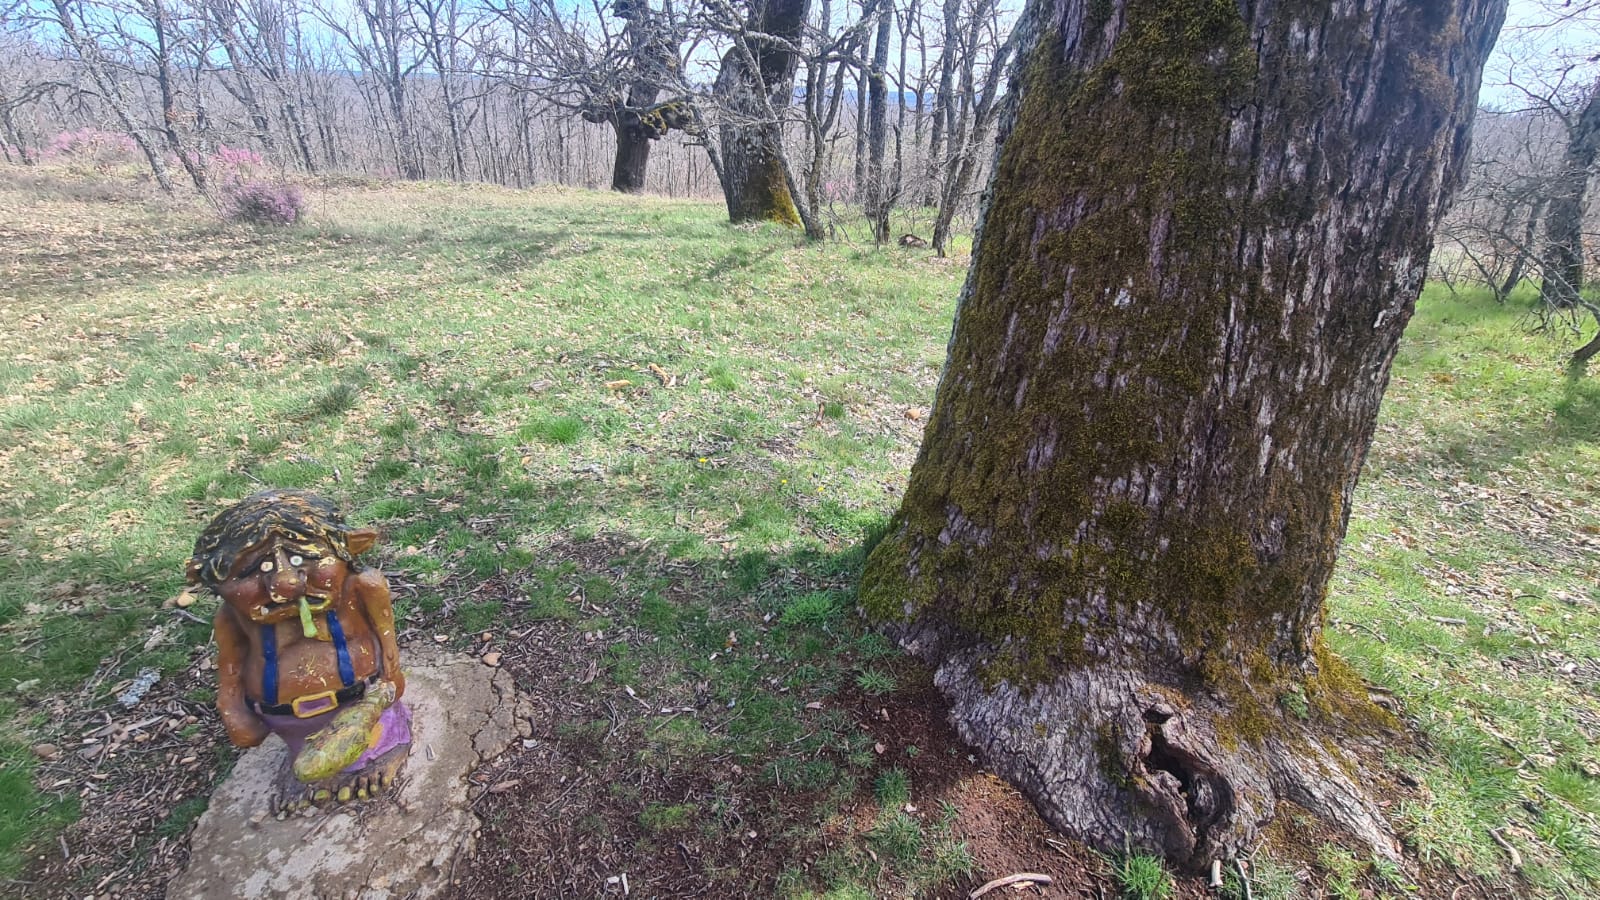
(1115, 757)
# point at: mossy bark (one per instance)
(1206, 230)
(755, 178)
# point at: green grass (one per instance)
(1475, 506)
(1269, 880)
(449, 365)
(1140, 876)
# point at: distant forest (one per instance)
(889, 104)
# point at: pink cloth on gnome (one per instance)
(396, 722)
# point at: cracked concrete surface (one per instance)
(400, 845)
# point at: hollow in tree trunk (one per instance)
(1206, 230)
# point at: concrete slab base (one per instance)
(400, 845)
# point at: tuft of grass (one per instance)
(323, 345)
(898, 837)
(1344, 872)
(817, 609)
(1269, 880)
(876, 682)
(664, 818)
(1140, 876)
(182, 816)
(336, 398)
(892, 788)
(558, 430)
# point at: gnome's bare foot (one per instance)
(291, 795)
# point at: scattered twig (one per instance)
(1019, 878)
(1216, 874)
(184, 613)
(1516, 858)
(1446, 620)
(1244, 880)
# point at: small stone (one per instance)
(47, 752)
(185, 600)
(492, 659)
(441, 638)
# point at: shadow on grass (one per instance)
(736, 260)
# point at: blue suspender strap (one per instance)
(269, 672)
(347, 672)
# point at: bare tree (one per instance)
(1525, 209)
(944, 116)
(381, 41)
(588, 65)
(81, 27)
(25, 79)
(756, 82)
(968, 134)
(878, 202)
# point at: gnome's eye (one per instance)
(267, 566)
(297, 560)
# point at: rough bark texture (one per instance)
(1563, 255)
(654, 57)
(1206, 230)
(878, 201)
(755, 179)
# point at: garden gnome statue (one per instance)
(305, 645)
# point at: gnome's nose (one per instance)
(288, 582)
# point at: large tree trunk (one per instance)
(1205, 233)
(654, 55)
(633, 160)
(754, 84)
(1563, 255)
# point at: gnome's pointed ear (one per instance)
(360, 540)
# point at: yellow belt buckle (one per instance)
(294, 704)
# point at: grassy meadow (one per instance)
(637, 450)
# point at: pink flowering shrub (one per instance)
(261, 202)
(235, 165)
(99, 147)
(244, 196)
